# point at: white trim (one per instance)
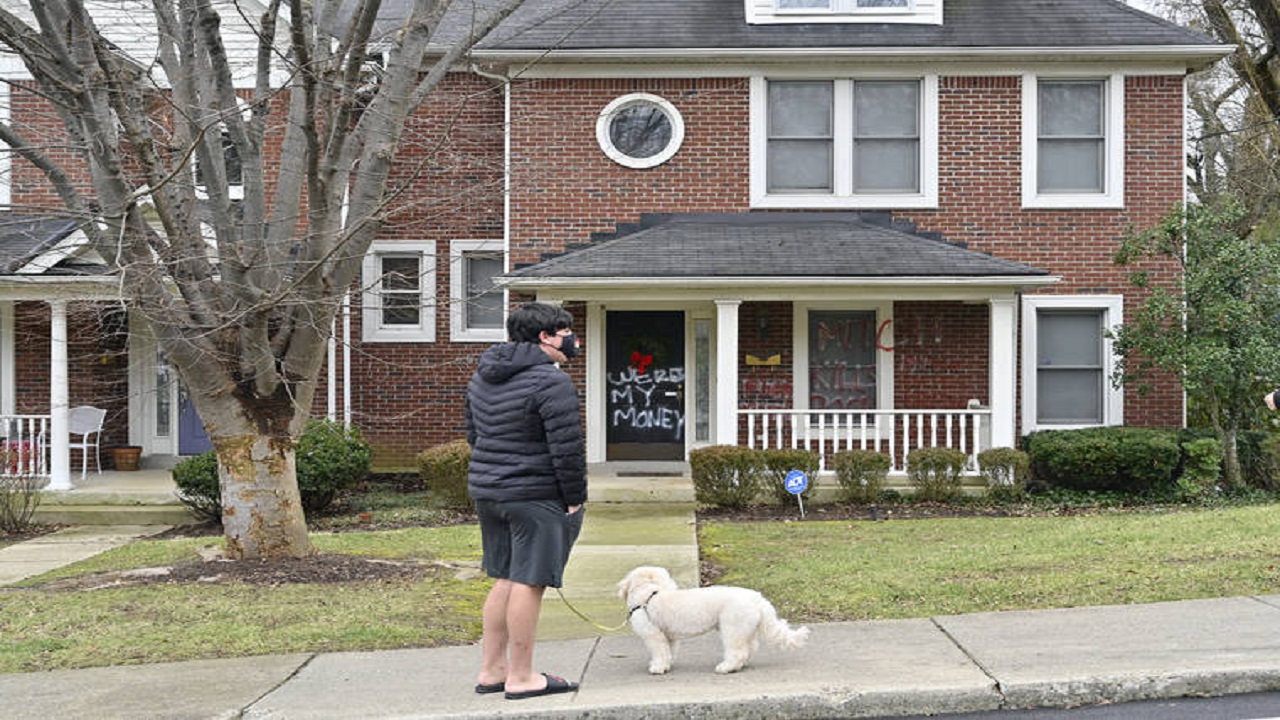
(785, 287)
(846, 12)
(605, 140)
(725, 383)
(70, 246)
(458, 330)
(6, 159)
(8, 376)
(1113, 398)
(842, 195)
(800, 349)
(59, 407)
(1002, 376)
(1112, 196)
(597, 384)
(372, 329)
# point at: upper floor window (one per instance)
(844, 143)
(640, 130)
(476, 303)
(1073, 149)
(232, 166)
(844, 11)
(399, 292)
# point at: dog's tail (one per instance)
(779, 632)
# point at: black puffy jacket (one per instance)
(524, 428)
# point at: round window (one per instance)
(640, 130)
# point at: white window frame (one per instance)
(372, 329)
(845, 11)
(1112, 307)
(842, 195)
(458, 331)
(800, 349)
(1112, 195)
(626, 101)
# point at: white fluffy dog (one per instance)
(661, 613)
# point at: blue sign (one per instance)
(796, 482)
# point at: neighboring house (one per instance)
(831, 223)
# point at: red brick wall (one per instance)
(448, 176)
(408, 396)
(564, 187)
(97, 367)
(980, 198)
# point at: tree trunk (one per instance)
(1227, 433)
(261, 508)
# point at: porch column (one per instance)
(59, 437)
(1003, 381)
(727, 372)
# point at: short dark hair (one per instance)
(527, 322)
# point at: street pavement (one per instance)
(892, 668)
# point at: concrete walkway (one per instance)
(50, 552)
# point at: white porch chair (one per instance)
(85, 422)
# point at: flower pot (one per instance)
(126, 458)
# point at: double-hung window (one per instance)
(844, 143)
(476, 303)
(1068, 361)
(399, 292)
(1073, 142)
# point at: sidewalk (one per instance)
(963, 663)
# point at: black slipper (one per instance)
(483, 689)
(555, 686)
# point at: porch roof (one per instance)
(24, 237)
(814, 247)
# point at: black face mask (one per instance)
(569, 346)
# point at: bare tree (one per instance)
(240, 294)
(1236, 106)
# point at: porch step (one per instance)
(56, 514)
(639, 489)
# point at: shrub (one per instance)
(861, 474)
(1258, 452)
(725, 475)
(443, 470)
(935, 473)
(1201, 468)
(19, 498)
(330, 458)
(198, 486)
(776, 464)
(1130, 460)
(1264, 470)
(1005, 471)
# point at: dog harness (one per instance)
(642, 605)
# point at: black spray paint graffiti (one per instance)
(647, 404)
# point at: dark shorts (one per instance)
(527, 541)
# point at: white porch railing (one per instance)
(24, 448)
(893, 432)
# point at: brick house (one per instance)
(823, 223)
